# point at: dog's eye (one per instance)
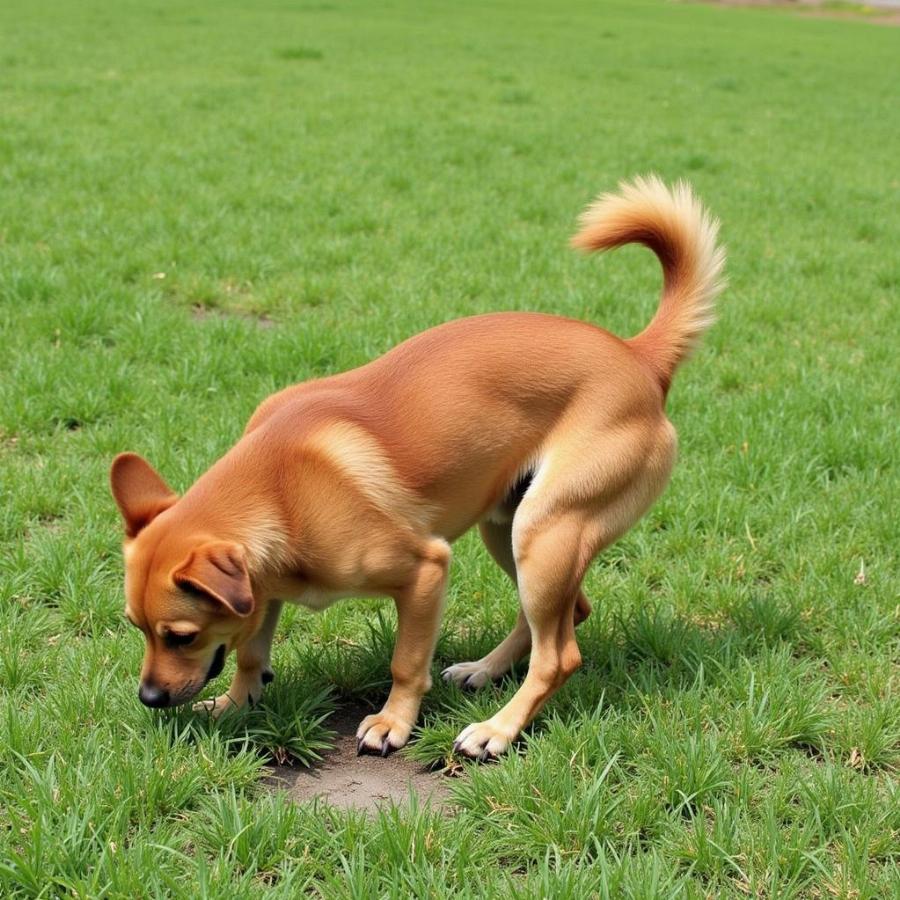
(174, 639)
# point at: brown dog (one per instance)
(548, 433)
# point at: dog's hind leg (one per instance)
(551, 564)
(570, 513)
(498, 540)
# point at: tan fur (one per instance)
(674, 225)
(354, 485)
(362, 461)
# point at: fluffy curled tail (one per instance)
(673, 224)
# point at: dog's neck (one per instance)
(247, 514)
(265, 542)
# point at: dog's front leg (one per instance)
(419, 608)
(253, 668)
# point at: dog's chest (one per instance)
(313, 596)
(316, 598)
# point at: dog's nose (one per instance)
(150, 695)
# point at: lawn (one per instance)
(202, 202)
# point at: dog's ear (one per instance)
(219, 571)
(139, 492)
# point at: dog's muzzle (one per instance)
(159, 698)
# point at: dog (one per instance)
(548, 433)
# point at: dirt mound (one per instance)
(349, 781)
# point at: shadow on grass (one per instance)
(655, 657)
(627, 661)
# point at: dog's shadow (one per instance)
(653, 651)
(625, 660)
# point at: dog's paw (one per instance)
(483, 741)
(246, 689)
(217, 706)
(469, 675)
(381, 733)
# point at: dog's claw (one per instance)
(470, 676)
(468, 684)
(363, 749)
(215, 707)
(381, 734)
(483, 741)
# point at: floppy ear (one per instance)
(219, 571)
(139, 492)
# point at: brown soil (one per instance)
(881, 13)
(349, 781)
(201, 312)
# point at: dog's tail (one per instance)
(673, 224)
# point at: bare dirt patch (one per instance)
(877, 12)
(201, 313)
(349, 781)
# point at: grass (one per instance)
(202, 202)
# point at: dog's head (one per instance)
(189, 593)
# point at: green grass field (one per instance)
(202, 202)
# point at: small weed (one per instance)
(300, 53)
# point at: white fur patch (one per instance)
(265, 542)
(362, 459)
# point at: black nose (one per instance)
(150, 695)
